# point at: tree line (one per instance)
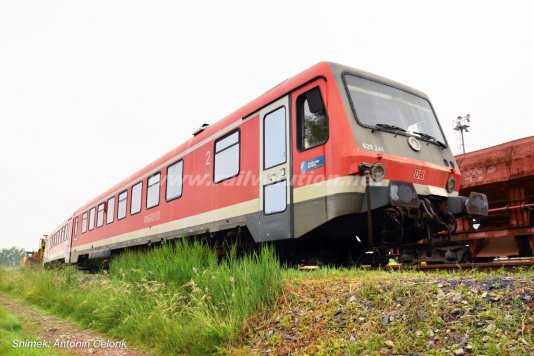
(11, 256)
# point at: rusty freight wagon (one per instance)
(505, 173)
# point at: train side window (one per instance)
(100, 215)
(111, 210)
(226, 157)
(135, 202)
(312, 120)
(76, 226)
(92, 218)
(152, 191)
(121, 209)
(63, 235)
(175, 174)
(84, 222)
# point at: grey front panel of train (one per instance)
(387, 142)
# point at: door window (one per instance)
(274, 196)
(274, 138)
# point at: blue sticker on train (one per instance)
(312, 164)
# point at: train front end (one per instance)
(406, 170)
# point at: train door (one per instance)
(275, 222)
(68, 241)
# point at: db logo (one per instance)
(419, 174)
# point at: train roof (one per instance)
(328, 70)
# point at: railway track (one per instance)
(507, 264)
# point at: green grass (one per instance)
(180, 299)
(174, 299)
(11, 331)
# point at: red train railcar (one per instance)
(505, 173)
(305, 158)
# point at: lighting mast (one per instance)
(461, 124)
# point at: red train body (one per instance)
(505, 173)
(308, 156)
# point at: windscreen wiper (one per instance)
(431, 138)
(387, 127)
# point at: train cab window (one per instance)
(111, 210)
(135, 202)
(92, 218)
(76, 226)
(152, 191)
(274, 138)
(100, 215)
(84, 223)
(226, 157)
(121, 209)
(174, 180)
(312, 120)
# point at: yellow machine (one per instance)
(34, 257)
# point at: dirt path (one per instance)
(73, 339)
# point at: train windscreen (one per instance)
(380, 106)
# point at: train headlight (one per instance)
(378, 172)
(451, 184)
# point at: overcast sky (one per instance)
(92, 91)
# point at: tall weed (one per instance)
(178, 298)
